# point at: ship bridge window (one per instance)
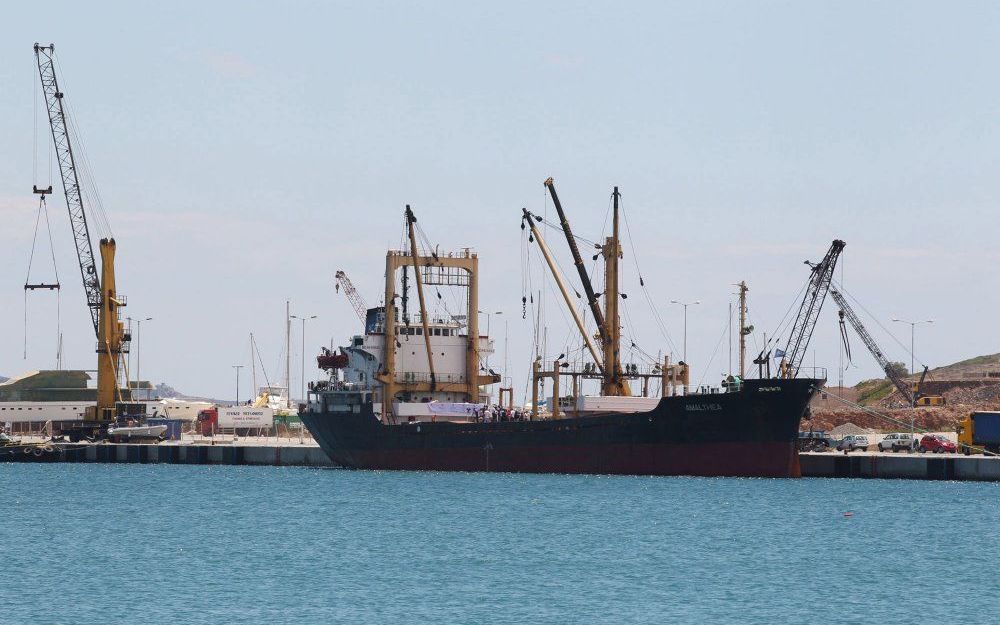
(437, 331)
(420, 331)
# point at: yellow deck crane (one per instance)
(102, 296)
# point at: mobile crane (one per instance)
(912, 393)
(103, 299)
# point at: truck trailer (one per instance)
(979, 433)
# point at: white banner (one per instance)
(245, 417)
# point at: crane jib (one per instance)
(805, 323)
(70, 181)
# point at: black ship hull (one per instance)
(749, 433)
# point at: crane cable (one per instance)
(642, 282)
(84, 168)
(879, 323)
(42, 210)
(886, 417)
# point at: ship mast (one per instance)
(612, 382)
(744, 330)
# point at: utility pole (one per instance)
(237, 368)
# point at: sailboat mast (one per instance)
(288, 354)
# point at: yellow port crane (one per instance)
(103, 299)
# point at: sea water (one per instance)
(131, 544)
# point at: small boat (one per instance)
(137, 432)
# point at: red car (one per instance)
(937, 443)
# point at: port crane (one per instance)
(103, 300)
(358, 302)
(812, 303)
(913, 393)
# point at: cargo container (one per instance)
(978, 432)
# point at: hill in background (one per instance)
(968, 385)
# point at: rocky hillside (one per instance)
(966, 386)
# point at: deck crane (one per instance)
(343, 282)
(812, 304)
(608, 324)
(102, 297)
(909, 393)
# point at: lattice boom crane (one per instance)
(869, 341)
(812, 304)
(343, 282)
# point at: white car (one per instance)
(899, 440)
(853, 442)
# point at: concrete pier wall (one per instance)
(265, 455)
(832, 465)
(894, 466)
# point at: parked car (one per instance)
(899, 440)
(938, 444)
(814, 440)
(853, 442)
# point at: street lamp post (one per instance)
(488, 316)
(238, 367)
(303, 319)
(913, 325)
(685, 305)
(138, 349)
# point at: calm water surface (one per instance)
(116, 544)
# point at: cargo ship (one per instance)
(409, 394)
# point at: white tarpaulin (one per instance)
(245, 417)
(448, 409)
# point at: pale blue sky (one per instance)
(245, 153)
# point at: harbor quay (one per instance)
(241, 451)
(306, 453)
(885, 465)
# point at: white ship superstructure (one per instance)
(449, 344)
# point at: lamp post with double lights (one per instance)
(913, 326)
(685, 305)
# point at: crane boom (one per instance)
(70, 180)
(873, 347)
(812, 304)
(343, 282)
(595, 308)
